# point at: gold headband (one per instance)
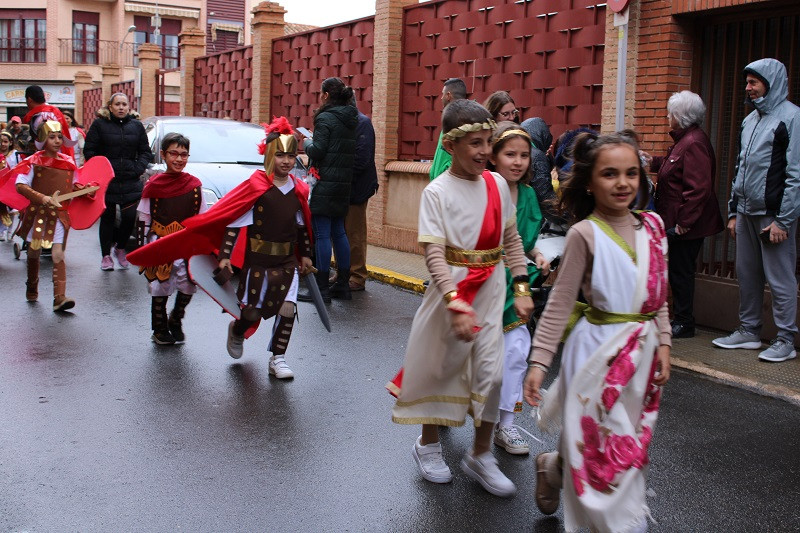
(513, 131)
(48, 127)
(463, 129)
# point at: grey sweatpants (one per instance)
(756, 261)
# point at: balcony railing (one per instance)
(15, 50)
(96, 52)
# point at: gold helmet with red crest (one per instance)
(280, 138)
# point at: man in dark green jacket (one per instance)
(454, 89)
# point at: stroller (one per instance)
(551, 243)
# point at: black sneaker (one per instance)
(682, 331)
(163, 338)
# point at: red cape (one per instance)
(169, 185)
(203, 233)
(8, 177)
(61, 120)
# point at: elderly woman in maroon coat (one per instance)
(686, 201)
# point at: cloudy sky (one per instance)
(326, 12)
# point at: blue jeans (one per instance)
(327, 230)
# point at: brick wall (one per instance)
(547, 55)
(301, 61)
(661, 50)
(222, 86)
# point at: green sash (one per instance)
(599, 317)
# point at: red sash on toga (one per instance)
(468, 287)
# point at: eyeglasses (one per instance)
(509, 114)
(178, 155)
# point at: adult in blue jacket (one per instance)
(363, 187)
(763, 211)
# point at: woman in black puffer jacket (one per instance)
(332, 152)
(117, 135)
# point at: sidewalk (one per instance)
(740, 368)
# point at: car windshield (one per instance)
(220, 142)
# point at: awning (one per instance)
(188, 13)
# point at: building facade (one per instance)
(50, 41)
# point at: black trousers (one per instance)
(682, 267)
(110, 233)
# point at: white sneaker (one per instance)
(430, 462)
(508, 438)
(741, 338)
(485, 471)
(780, 350)
(235, 343)
(279, 368)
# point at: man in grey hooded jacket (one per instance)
(763, 211)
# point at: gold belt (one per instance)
(473, 258)
(270, 248)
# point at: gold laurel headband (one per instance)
(463, 129)
(513, 131)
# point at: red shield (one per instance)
(85, 210)
(8, 191)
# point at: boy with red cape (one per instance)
(167, 200)
(263, 227)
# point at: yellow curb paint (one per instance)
(777, 391)
(396, 279)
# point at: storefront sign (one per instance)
(54, 94)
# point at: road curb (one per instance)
(395, 278)
(775, 391)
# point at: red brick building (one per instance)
(702, 45)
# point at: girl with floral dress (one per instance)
(617, 346)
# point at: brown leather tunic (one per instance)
(42, 219)
(166, 217)
(272, 241)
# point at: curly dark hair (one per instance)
(575, 201)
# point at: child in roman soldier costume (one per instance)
(167, 200)
(45, 221)
(262, 227)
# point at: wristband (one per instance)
(522, 293)
(540, 366)
(521, 287)
(449, 296)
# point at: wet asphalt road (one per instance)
(103, 431)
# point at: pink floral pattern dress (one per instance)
(604, 398)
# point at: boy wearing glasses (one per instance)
(167, 200)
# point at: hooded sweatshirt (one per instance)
(767, 180)
(541, 138)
